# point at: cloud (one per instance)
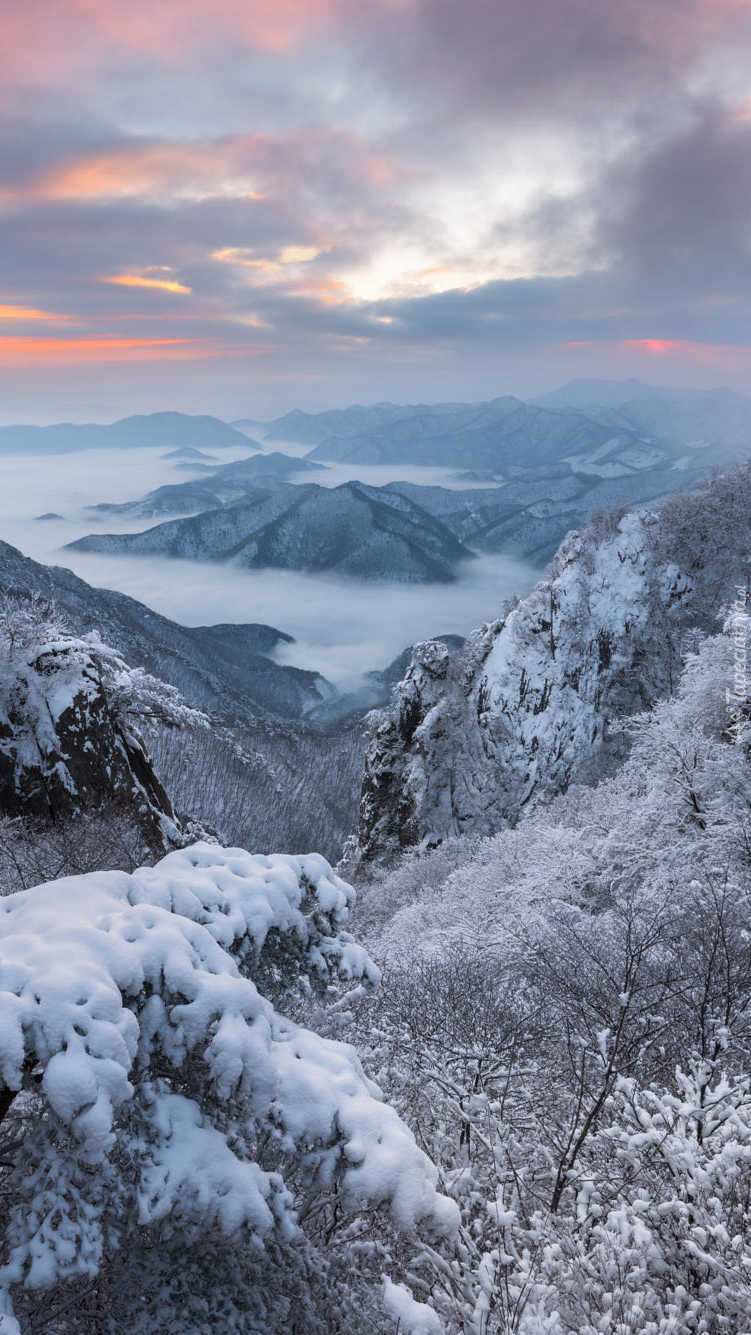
(54, 39)
(26, 351)
(408, 184)
(683, 201)
(337, 630)
(148, 281)
(25, 313)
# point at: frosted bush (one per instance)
(168, 1084)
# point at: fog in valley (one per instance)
(341, 628)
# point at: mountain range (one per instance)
(696, 418)
(223, 484)
(505, 435)
(354, 530)
(225, 669)
(526, 518)
(164, 429)
(623, 424)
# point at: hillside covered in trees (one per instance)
(500, 1084)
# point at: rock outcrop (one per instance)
(533, 702)
(67, 748)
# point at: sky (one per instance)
(240, 207)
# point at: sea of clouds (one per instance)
(341, 627)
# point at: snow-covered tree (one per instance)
(565, 1016)
(151, 1096)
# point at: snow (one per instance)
(117, 985)
(65, 992)
(191, 1171)
(531, 701)
(413, 1318)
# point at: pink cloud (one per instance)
(727, 357)
(51, 39)
(23, 351)
(228, 167)
(709, 354)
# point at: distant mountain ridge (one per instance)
(351, 530)
(719, 419)
(165, 429)
(506, 434)
(501, 435)
(219, 485)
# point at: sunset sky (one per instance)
(240, 207)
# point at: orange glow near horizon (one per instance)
(31, 313)
(143, 280)
(21, 351)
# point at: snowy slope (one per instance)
(536, 700)
(349, 530)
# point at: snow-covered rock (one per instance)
(531, 703)
(66, 743)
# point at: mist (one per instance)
(341, 628)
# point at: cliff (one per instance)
(534, 701)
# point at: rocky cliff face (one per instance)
(65, 748)
(533, 702)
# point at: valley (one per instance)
(512, 758)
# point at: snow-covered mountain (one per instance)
(351, 530)
(626, 420)
(222, 484)
(527, 517)
(505, 436)
(530, 518)
(537, 698)
(179, 498)
(698, 419)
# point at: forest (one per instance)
(489, 1081)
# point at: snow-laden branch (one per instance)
(161, 1065)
